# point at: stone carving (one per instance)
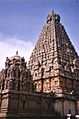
(15, 76)
(56, 54)
(10, 85)
(12, 73)
(7, 62)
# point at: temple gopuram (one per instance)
(48, 88)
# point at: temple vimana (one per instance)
(48, 88)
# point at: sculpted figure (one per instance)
(7, 62)
(10, 84)
(12, 73)
(17, 73)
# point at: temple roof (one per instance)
(17, 57)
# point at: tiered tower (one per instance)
(54, 63)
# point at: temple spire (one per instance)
(56, 56)
(16, 52)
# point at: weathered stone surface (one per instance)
(54, 56)
(57, 68)
(16, 76)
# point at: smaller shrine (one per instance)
(16, 76)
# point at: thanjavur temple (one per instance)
(48, 88)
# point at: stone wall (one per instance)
(22, 105)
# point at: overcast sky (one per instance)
(21, 22)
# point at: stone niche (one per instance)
(64, 106)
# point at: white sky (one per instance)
(9, 46)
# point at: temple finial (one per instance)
(53, 11)
(16, 52)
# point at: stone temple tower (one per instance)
(54, 63)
